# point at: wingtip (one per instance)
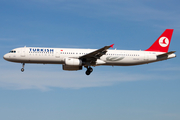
(112, 45)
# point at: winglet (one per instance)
(112, 45)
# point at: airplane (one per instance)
(76, 59)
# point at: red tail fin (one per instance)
(163, 42)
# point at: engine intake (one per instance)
(73, 62)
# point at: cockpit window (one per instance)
(12, 51)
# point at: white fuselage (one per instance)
(76, 59)
(58, 56)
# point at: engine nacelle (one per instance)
(71, 68)
(73, 62)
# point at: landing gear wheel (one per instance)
(22, 69)
(88, 73)
(89, 70)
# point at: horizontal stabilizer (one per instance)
(166, 54)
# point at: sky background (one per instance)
(46, 92)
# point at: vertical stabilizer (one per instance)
(163, 42)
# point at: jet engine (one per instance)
(71, 68)
(73, 62)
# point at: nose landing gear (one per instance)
(22, 69)
(89, 70)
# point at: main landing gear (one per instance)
(89, 70)
(22, 69)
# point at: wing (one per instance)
(90, 58)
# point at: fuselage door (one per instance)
(23, 52)
(146, 57)
(57, 54)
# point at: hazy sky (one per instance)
(46, 92)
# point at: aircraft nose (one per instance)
(5, 57)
